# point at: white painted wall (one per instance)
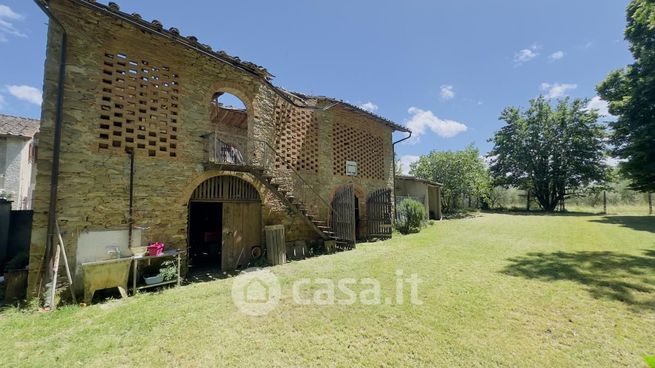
(18, 172)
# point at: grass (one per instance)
(498, 290)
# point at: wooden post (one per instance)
(68, 270)
(650, 203)
(604, 202)
(53, 282)
(179, 268)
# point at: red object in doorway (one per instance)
(155, 249)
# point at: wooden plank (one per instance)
(228, 239)
(251, 228)
(379, 211)
(68, 270)
(343, 218)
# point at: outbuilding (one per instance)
(422, 190)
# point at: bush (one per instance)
(410, 216)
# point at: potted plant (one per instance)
(167, 272)
(16, 277)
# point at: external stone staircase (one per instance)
(285, 195)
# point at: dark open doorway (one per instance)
(205, 234)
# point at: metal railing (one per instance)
(263, 156)
(221, 152)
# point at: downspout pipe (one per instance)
(56, 146)
(393, 148)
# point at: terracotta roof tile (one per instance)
(17, 126)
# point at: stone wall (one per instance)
(94, 173)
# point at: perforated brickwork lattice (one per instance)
(139, 107)
(296, 138)
(352, 144)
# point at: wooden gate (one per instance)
(378, 211)
(343, 216)
(241, 231)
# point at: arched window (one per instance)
(229, 118)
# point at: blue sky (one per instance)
(445, 68)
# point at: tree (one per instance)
(550, 152)
(462, 173)
(397, 166)
(630, 93)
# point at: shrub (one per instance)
(410, 216)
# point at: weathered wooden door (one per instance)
(378, 208)
(241, 231)
(343, 216)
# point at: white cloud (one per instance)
(599, 105)
(26, 93)
(369, 106)
(406, 161)
(7, 28)
(447, 92)
(557, 55)
(556, 90)
(422, 121)
(525, 55)
(7, 13)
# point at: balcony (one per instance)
(226, 156)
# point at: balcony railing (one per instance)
(221, 152)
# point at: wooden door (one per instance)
(343, 216)
(241, 231)
(378, 207)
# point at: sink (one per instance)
(100, 275)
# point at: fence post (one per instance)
(604, 202)
(650, 203)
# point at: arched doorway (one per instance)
(224, 223)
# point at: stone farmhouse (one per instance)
(17, 156)
(137, 138)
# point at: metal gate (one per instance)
(378, 208)
(343, 216)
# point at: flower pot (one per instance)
(155, 249)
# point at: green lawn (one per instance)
(498, 290)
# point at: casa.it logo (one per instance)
(256, 291)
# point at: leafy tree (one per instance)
(631, 96)
(550, 152)
(398, 166)
(462, 173)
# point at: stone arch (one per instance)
(185, 196)
(235, 89)
(360, 197)
(360, 193)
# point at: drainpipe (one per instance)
(56, 150)
(393, 148)
(130, 214)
